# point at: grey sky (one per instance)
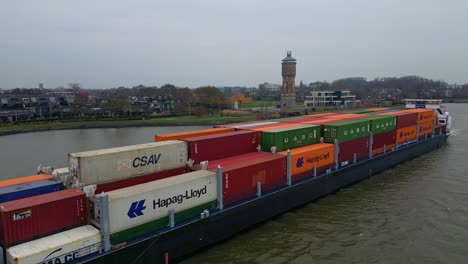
(212, 42)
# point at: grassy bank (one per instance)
(164, 121)
(259, 104)
(457, 100)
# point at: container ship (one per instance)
(162, 201)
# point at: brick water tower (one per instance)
(288, 90)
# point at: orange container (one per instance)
(424, 114)
(377, 109)
(322, 114)
(26, 179)
(380, 150)
(193, 133)
(406, 134)
(425, 128)
(303, 159)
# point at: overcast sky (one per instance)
(103, 44)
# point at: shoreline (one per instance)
(94, 126)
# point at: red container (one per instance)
(404, 118)
(241, 174)
(225, 145)
(387, 138)
(107, 187)
(347, 149)
(34, 217)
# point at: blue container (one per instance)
(24, 190)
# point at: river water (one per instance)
(21, 154)
(414, 213)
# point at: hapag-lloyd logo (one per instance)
(137, 208)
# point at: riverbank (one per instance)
(89, 124)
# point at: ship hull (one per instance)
(182, 241)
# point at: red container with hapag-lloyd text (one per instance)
(34, 217)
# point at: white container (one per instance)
(139, 204)
(109, 165)
(63, 247)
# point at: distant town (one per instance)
(75, 101)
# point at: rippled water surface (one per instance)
(414, 213)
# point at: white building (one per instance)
(270, 86)
(331, 99)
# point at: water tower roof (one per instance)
(289, 59)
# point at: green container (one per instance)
(381, 124)
(144, 229)
(346, 131)
(290, 137)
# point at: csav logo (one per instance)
(146, 160)
(136, 209)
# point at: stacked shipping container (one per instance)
(144, 208)
(24, 219)
(406, 125)
(222, 146)
(24, 190)
(114, 164)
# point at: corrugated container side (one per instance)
(387, 138)
(298, 120)
(425, 128)
(193, 133)
(24, 190)
(404, 118)
(256, 124)
(406, 134)
(41, 215)
(323, 114)
(381, 150)
(304, 159)
(64, 247)
(378, 109)
(289, 138)
(246, 123)
(346, 131)
(213, 164)
(33, 178)
(143, 208)
(261, 128)
(424, 115)
(107, 187)
(240, 178)
(347, 149)
(114, 164)
(222, 146)
(382, 124)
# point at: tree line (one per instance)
(407, 86)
